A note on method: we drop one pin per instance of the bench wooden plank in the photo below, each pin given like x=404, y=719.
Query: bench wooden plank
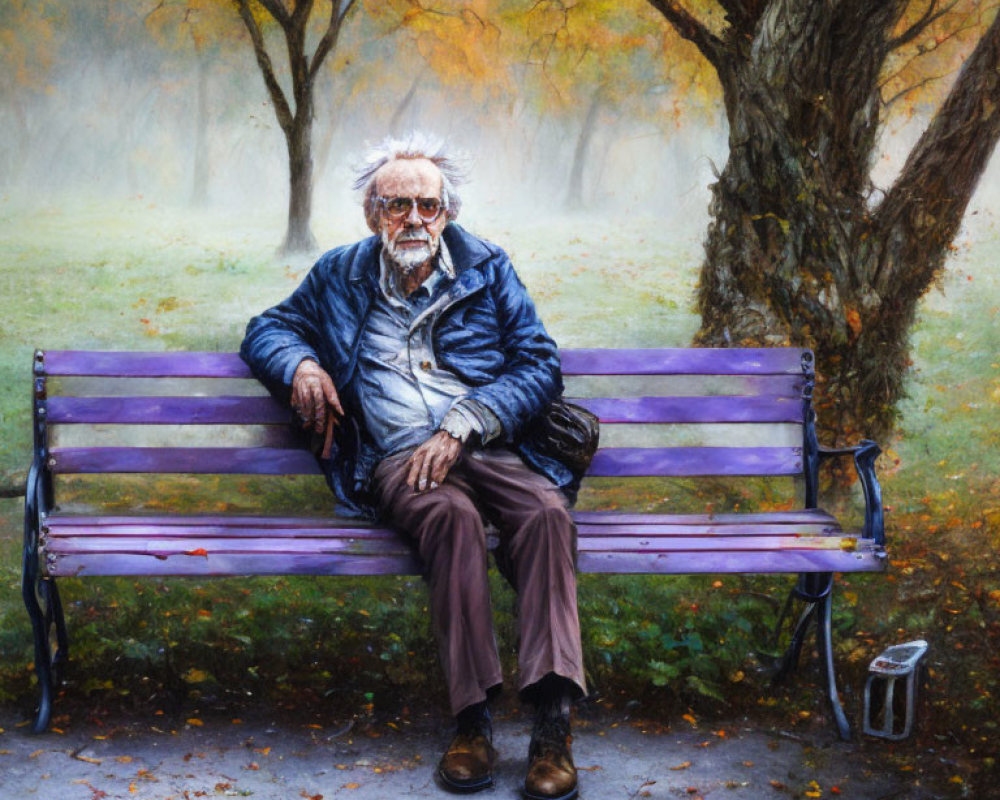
x=146, y=410
x=584, y=361
x=168, y=411
x=758, y=408
x=625, y=518
x=620, y=462
x=688, y=361
x=198, y=546
x=620, y=532
x=608, y=462
x=233, y=564
x=176, y=460
x=629, y=518
x=696, y=563
x=142, y=364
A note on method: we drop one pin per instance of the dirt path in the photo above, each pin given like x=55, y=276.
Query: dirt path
x=619, y=759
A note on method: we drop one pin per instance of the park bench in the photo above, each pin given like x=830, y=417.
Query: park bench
x=757, y=400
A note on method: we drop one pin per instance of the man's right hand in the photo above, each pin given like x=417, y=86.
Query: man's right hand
x=315, y=399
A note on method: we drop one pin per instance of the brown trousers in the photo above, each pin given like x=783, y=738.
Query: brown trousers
x=537, y=540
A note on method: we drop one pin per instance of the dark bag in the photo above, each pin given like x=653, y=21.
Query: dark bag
x=568, y=433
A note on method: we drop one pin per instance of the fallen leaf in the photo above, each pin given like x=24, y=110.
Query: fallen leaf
x=351, y=785
x=690, y=718
x=124, y=759
x=683, y=765
x=196, y=722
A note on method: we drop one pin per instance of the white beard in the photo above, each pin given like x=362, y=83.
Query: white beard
x=405, y=260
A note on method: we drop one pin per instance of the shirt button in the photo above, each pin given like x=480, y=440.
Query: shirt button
x=425, y=365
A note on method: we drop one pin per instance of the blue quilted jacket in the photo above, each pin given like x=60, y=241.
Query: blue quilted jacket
x=489, y=334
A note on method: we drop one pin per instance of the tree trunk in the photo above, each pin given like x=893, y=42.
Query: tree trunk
x=299, y=237
x=396, y=123
x=574, y=192
x=199, y=182
x=794, y=252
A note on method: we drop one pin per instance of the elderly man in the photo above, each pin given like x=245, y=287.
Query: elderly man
x=422, y=343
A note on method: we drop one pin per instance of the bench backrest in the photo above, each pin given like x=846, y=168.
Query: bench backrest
x=637, y=394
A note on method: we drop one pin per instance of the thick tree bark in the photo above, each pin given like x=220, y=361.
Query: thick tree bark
x=795, y=253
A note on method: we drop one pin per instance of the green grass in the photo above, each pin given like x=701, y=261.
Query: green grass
x=139, y=277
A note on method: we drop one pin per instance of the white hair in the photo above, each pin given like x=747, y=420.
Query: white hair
x=416, y=144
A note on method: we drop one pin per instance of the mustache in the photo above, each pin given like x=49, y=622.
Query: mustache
x=414, y=236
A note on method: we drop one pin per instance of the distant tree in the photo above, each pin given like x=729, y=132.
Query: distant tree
x=202, y=30
x=29, y=48
x=295, y=114
x=802, y=247
x=589, y=60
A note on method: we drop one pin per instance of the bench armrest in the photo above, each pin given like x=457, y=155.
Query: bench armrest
x=865, y=454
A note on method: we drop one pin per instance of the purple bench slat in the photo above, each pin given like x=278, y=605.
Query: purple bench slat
x=267, y=411
x=807, y=516
x=620, y=462
x=641, y=530
x=120, y=364
x=700, y=563
x=193, y=460
x=168, y=411
x=758, y=408
x=585, y=361
x=683, y=361
x=186, y=545
x=54, y=533
x=708, y=532
x=57, y=522
x=607, y=518
x=609, y=462
x=708, y=544
x=219, y=565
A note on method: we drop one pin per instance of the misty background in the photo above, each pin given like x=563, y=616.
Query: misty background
x=109, y=103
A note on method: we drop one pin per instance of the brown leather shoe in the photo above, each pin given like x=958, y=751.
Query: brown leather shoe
x=467, y=765
x=551, y=773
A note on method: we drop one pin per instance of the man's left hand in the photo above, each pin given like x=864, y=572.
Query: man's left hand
x=431, y=461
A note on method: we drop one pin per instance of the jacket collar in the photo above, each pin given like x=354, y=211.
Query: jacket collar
x=466, y=252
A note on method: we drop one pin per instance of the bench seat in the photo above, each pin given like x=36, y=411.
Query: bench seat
x=187, y=545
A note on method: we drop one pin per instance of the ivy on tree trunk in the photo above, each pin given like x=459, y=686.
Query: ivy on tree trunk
x=798, y=251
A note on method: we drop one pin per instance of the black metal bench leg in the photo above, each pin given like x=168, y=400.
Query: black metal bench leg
x=790, y=660
x=41, y=625
x=56, y=618
x=824, y=637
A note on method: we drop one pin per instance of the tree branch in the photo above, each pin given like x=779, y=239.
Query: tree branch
x=281, y=108
x=329, y=40
x=928, y=18
x=276, y=8
x=693, y=30
x=923, y=210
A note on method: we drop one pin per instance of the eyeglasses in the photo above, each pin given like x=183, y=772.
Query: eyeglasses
x=428, y=208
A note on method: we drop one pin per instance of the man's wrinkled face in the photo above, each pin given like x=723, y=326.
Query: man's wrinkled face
x=409, y=239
